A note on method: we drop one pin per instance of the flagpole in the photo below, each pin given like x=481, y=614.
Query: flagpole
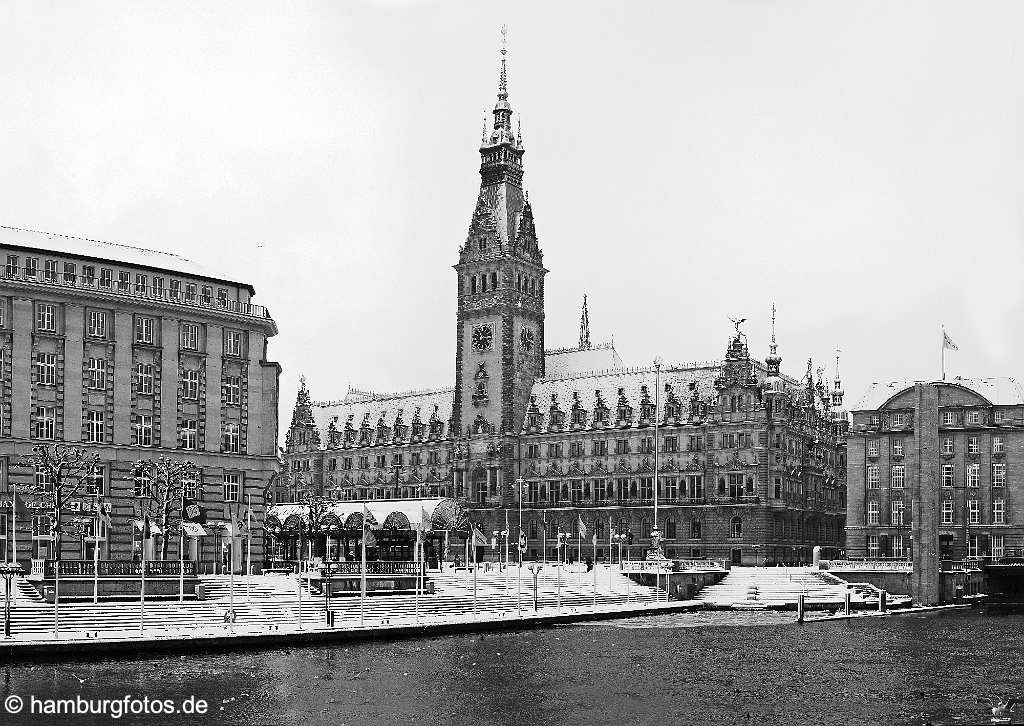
x=14, y=521
x=142, y=586
x=416, y=558
x=231, y=573
x=56, y=584
x=473, y=529
x=362, y=571
x=96, y=544
x=181, y=548
x=595, y=565
x=248, y=546
x=943, y=354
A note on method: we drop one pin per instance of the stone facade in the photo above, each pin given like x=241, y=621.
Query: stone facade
x=936, y=473
x=750, y=465
x=132, y=354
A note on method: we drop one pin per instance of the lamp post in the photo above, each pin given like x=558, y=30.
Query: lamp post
x=535, y=568
x=326, y=573
x=521, y=490
x=503, y=533
x=8, y=571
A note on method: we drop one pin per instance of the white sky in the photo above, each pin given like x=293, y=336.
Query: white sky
x=859, y=164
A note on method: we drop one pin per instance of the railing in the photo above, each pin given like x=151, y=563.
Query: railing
x=79, y=282
x=970, y=565
x=112, y=568
x=888, y=565
x=647, y=565
x=372, y=568
x=692, y=564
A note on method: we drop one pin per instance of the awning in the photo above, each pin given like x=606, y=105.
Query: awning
x=400, y=514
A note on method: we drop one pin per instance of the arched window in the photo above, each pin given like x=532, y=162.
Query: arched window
x=736, y=527
x=670, y=529
x=533, y=529
x=694, y=529
x=623, y=526
x=494, y=280
x=483, y=282
x=553, y=528
x=645, y=528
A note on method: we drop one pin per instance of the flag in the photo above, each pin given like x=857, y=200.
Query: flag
x=582, y=527
x=947, y=342
x=146, y=529
x=192, y=512
x=20, y=510
x=193, y=529
x=425, y=520
x=479, y=540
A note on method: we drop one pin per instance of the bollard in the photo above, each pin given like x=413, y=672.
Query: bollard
x=800, y=608
x=846, y=602
x=881, y=601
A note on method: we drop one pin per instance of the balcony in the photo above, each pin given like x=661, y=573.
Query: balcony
x=149, y=294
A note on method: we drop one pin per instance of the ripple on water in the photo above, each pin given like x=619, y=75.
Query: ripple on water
x=699, y=668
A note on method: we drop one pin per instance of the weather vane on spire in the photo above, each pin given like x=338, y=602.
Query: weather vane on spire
x=503, y=82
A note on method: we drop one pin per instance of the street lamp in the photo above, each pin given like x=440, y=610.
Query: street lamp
x=8, y=570
x=535, y=568
x=326, y=574
x=521, y=487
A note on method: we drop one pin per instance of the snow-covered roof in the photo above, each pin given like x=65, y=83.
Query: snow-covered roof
x=113, y=252
x=371, y=406
x=567, y=361
x=1000, y=391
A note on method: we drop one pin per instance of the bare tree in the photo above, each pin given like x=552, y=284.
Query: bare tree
x=61, y=472
x=160, y=485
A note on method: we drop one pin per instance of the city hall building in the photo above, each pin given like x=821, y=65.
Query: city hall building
x=132, y=354
x=750, y=463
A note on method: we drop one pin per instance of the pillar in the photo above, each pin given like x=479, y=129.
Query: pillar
x=21, y=368
x=74, y=352
x=923, y=466
x=122, y=377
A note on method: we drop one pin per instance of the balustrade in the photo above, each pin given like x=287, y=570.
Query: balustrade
x=112, y=568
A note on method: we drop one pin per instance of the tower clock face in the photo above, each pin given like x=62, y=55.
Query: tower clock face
x=526, y=339
x=483, y=337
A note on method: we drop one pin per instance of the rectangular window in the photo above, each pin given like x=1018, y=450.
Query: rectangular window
x=575, y=449
x=229, y=438
x=190, y=487
x=46, y=369
x=207, y=296
x=142, y=431
x=972, y=445
x=998, y=546
x=232, y=485
x=898, y=475
x=97, y=327
x=89, y=275
x=872, y=545
x=98, y=373
x=897, y=546
x=46, y=318
x=973, y=511
x=46, y=422
x=123, y=282
x=872, y=512
x=50, y=270
x=190, y=292
x=190, y=434
x=346, y=463
x=671, y=444
x=974, y=417
x=897, y=447
x=144, y=378
x=381, y=461
x=873, y=447
x=998, y=511
x=96, y=480
x=142, y=484
x=222, y=297
x=95, y=430
x=999, y=475
x=189, y=336
x=947, y=475
x=998, y=445
x=874, y=482
x=898, y=419
x=175, y=289
x=947, y=445
x=12, y=266
x=533, y=451
x=143, y=329
x=232, y=390
x=972, y=474
x=948, y=418
x=947, y=511
x=232, y=342
x=70, y=273
x=141, y=284
x=31, y=267
x=105, y=278
x=896, y=512
x=190, y=384
x=158, y=286
x=622, y=446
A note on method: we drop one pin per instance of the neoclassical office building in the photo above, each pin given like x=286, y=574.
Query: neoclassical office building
x=750, y=466
x=132, y=354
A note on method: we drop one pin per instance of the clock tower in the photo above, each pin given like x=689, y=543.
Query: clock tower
x=500, y=320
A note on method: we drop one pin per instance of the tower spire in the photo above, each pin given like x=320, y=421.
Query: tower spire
x=837, y=392
x=584, y=326
x=774, y=359
x=503, y=79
